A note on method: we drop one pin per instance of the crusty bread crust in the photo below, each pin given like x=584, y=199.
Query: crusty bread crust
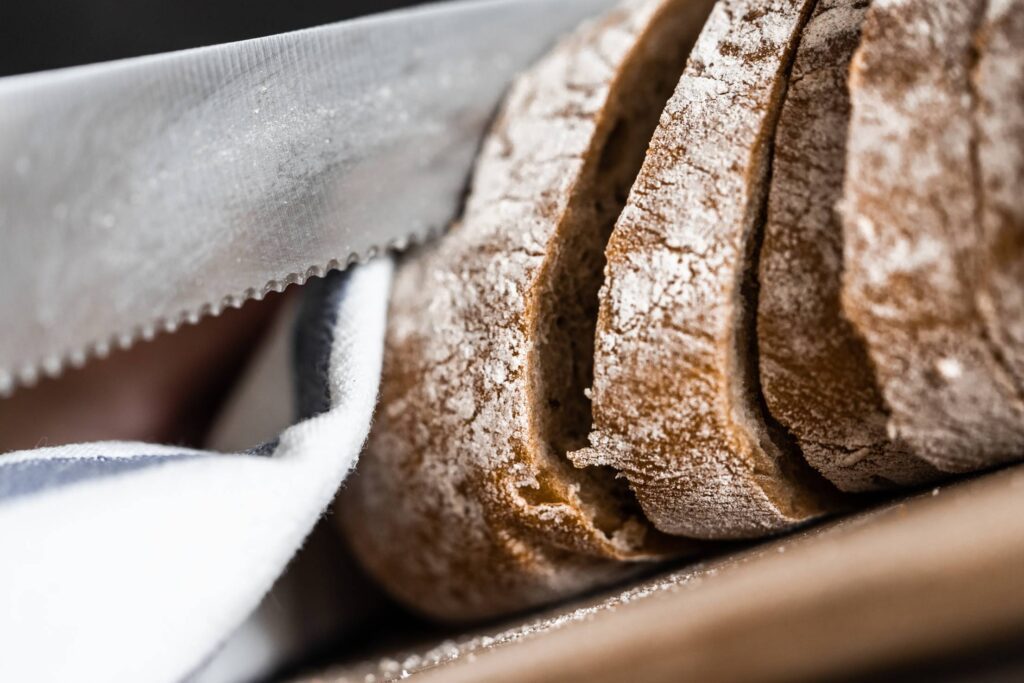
x=912, y=232
x=462, y=505
x=815, y=373
x=676, y=397
x=998, y=88
x=465, y=504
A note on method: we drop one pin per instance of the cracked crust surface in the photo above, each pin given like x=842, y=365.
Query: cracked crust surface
x=815, y=373
x=911, y=228
x=463, y=505
x=998, y=84
x=676, y=401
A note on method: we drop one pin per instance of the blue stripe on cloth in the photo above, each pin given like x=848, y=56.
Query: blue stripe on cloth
x=26, y=477
x=265, y=448
x=313, y=340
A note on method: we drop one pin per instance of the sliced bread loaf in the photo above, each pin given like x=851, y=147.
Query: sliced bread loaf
x=815, y=372
x=913, y=237
x=677, y=405
x=464, y=505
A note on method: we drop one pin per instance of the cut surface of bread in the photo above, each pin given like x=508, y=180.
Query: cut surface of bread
x=913, y=237
x=998, y=88
x=676, y=396
x=816, y=376
x=464, y=505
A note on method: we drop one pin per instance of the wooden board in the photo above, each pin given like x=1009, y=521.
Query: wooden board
x=940, y=571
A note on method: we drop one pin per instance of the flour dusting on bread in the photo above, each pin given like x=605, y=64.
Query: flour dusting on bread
x=912, y=234
x=475, y=509
x=676, y=396
x=815, y=371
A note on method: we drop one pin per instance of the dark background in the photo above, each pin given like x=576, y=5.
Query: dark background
x=47, y=34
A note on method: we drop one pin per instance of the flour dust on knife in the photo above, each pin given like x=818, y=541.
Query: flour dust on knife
x=144, y=193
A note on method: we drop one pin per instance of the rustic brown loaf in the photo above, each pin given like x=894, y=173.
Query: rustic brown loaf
x=815, y=373
x=912, y=237
x=677, y=405
x=998, y=85
x=464, y=504
x=888, y=342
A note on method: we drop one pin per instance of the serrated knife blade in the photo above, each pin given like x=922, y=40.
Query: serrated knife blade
x=140, y=194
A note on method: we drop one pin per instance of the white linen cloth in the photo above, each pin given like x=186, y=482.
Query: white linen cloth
x=136, y=562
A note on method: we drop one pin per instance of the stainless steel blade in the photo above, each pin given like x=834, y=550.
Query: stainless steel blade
x=140, y=194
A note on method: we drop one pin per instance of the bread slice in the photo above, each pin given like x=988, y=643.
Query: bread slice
x=815, y=372
x=464, y=505
x=677, y=405
x=912, y=232
x=998, y=88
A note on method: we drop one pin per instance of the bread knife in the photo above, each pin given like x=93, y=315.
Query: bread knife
x=141, y=194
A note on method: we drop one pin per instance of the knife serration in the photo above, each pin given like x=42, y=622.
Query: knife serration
x=142, y=194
